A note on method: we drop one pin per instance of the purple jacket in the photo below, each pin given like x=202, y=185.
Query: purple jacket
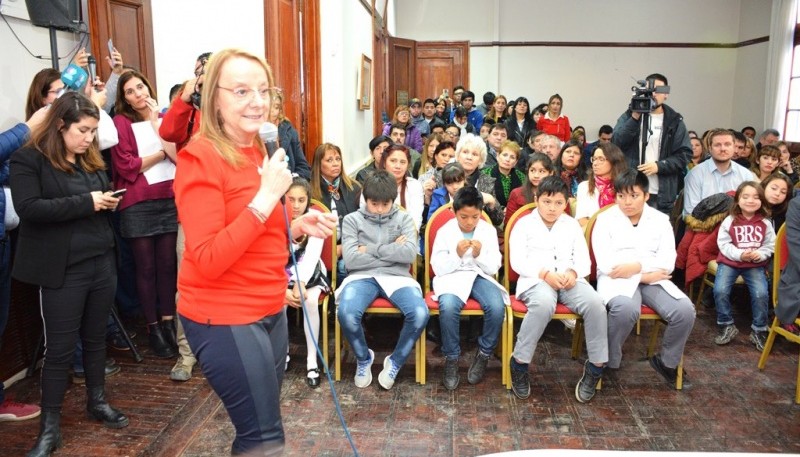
x=413, y=136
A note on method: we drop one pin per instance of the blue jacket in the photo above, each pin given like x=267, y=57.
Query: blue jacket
x=474, y=117
x=290, y=142
x=10, y=140
x=439, y=198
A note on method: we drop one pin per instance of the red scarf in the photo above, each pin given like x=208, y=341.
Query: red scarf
x=605, y=191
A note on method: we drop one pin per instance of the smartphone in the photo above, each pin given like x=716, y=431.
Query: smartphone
x=111, y=52
x=446, y=93
x=119, y=193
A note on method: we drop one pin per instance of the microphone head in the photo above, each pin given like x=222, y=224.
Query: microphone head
x=74, y=77
x=91, y=60
x=268, y=132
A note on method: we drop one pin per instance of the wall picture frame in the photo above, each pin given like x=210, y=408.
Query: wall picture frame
x=365, y=83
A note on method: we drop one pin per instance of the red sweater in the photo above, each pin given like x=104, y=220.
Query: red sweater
x=559, y=127
x=127, y=163
x=233, y=266
x=175, y=123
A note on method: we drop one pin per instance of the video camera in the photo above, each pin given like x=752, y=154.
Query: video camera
x=643, y=100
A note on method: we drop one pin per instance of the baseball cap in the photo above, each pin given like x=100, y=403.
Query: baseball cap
x=415, y=101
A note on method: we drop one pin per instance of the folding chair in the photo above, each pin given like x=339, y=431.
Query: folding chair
x=646, y=312
x=472, y=307
x=518, y=308
x=779, y=261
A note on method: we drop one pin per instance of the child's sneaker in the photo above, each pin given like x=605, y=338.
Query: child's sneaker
x=726, y=334
x=759, y=339
x=364, y=371
x=389, y=372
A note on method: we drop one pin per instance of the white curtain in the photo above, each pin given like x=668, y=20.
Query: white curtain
x=779, y=62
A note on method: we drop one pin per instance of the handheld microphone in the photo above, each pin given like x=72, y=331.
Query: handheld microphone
x=92, y=69
x=74, y=77
x=269, y=135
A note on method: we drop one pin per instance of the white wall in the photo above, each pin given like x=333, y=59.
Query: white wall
x=595, y=82
x=18, y=67
x=346, y=31
x=184, y=29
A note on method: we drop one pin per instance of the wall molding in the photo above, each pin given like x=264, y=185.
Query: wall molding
x=615, y=44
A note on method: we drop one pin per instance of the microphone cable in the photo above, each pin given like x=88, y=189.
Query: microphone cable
x=316, y=344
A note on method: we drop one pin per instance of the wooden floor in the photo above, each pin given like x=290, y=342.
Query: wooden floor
x=731, y=407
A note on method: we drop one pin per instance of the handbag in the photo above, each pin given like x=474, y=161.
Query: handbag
x=10, y=218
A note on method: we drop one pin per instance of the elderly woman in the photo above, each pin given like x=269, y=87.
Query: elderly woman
x=471, y=154
x=233, y=279
x=66, y=247
x=402, y=117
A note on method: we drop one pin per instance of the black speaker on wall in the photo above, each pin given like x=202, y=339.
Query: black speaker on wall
x=57, y=14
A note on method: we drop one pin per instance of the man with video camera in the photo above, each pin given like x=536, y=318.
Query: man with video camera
x=666, y=149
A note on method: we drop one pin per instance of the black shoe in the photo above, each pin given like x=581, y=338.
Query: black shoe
x=117, y=342
x=451, y=377
x=478, y=367
x=434, y=332
x=168, y=327
x=158, y=343
x=49, y=435
x=587, y=386
x=669, y=374
x=98, y=408
x=313, y=382
x=79, y=377
x=520, y=383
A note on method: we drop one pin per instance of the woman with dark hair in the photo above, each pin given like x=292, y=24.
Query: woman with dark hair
x=520, y=123
x=148, y=216
x=442, y=111
x=396, y=159
x=778, y=192
x=538, y=112
x=66, y=247
x=553, y=122
x=376, y=147
x=44, y=89
x=571, y=167
x=289, y=139
x=331, y=185
x=233, y=275
x=597, y=191
x=402, y=117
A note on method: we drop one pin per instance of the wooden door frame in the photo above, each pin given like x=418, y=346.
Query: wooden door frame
x=309, y=127
x=100, y=26
x=380, y=64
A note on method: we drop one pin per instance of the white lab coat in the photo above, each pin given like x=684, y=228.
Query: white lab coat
x=616, y=241
x=456, y=275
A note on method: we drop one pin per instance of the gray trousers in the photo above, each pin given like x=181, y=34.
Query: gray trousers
x=541, y=302
x=623, y=312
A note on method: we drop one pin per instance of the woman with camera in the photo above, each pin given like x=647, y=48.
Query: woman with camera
x=66, y=247
x=233, y=279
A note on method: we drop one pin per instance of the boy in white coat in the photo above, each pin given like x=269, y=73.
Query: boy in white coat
x=548, y=250
x=634, y=247
x=464, y=258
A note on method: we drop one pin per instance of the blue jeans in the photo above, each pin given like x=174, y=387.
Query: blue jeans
x=756, y=281
x=450, y=306
x=359, y=294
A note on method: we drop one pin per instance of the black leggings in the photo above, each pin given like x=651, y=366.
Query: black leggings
x=79, y=308
x=156, y=273
x=244, y=365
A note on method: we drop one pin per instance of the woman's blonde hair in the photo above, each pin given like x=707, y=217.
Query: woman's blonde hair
x=212, y=126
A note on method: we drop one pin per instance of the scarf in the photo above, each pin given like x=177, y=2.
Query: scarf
x=463, y=126
x=570, y=178
x=605, y=191
x=333, y=188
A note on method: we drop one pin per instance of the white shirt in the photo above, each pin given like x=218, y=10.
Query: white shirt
x=653, y=148
x=536, y=248
x=616, y=241
x=307, y=264
x=586, y=204
x=456, y=275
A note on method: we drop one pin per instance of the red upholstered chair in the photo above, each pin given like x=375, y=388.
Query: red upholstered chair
x=779, y=261
x=472, y=307
x=518, y=308
x=646, y=312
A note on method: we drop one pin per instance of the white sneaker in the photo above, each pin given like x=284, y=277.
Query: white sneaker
x=363, y=376
x=569, y=324
x=389, y=372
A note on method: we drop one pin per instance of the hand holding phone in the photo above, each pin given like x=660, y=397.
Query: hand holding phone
x=111, y=52
x=118, y=193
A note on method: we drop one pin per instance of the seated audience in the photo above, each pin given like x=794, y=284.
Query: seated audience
x=464, y=258
x=634, y=247
x=597, y=191
x=539, y=167
x=550, y=254
x=380, y=269
x=746, y=242
x=506, y=176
